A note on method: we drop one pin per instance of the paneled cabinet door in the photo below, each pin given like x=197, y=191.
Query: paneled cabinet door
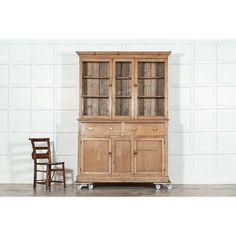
x=149, y=156
x=122, y=156
x=96, y=156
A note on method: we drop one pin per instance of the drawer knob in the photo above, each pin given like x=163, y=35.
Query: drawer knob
x=91, y=128
x=111, y=129
x=154, y=129
x=134, y=129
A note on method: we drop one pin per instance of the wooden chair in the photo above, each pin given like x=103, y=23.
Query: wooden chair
x=42, y=157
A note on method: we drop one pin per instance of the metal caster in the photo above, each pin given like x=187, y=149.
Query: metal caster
x=79, y=186
x=90, y=186
x=158, y=186
x=169, y=186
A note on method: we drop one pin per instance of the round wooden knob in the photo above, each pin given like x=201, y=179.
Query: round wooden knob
x=111, y=129
x=134, y=129
x=154, y=129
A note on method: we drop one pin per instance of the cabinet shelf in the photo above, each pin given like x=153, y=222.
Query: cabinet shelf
x=123, y=77
x=150, y=97
x=90, y=77
x=86, y=96
x=160, y=77
x=123, y=96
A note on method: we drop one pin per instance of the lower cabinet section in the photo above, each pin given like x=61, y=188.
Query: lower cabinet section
x=122, y=160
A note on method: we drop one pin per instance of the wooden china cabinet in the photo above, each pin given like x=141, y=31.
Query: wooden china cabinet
x=123, y=120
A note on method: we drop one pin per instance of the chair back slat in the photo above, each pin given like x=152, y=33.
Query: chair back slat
x=41, y=148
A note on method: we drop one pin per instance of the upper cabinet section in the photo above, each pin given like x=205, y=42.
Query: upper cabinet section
x=123, y=85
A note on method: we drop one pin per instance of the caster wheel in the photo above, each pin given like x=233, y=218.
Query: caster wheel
x=90, y=186
x=158, y=186
x=169, y=186
x=79, y=186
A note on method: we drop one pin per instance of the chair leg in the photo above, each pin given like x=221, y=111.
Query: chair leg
x=50, y=177
x=47, y=177
x=64, y=175
x=35, y=176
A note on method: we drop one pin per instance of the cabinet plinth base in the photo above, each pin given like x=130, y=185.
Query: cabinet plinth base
x=122, y=179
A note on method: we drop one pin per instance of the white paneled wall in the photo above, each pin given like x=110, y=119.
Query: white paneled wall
x=39, y=98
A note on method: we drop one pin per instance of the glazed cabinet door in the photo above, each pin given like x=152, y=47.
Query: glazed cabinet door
x=95, y=89
x=95, y=156
x=122, y=156
x=149, y=156
x=123, y=92
x=151, y=88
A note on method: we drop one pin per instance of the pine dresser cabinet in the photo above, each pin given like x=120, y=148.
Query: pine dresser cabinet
x=123, y=118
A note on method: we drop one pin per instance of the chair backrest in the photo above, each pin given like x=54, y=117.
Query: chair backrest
x=41, y=148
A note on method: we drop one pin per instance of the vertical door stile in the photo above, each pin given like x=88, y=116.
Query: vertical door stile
x=166, y=89
x=110, y=88
x=81, y=157
x=81, y=108
x=135, y=88
x=113, y=156
x=134, y=155
x=163, y=157
x=110, y=156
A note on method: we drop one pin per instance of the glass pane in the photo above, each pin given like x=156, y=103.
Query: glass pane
x=123, y=88
x=95, y=107
x=151, y=69
x=150, y=107
x=123, y=106
x=95, y=79
x=151, y=88
x=95, y=70
x=95, y=88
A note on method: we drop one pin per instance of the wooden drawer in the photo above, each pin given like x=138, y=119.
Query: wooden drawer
x=100, y=129
x=146, y=129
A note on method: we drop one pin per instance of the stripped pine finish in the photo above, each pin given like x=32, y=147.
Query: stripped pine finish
x=123, y=117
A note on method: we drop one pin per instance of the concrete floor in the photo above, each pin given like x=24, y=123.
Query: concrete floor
x=26, y=190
